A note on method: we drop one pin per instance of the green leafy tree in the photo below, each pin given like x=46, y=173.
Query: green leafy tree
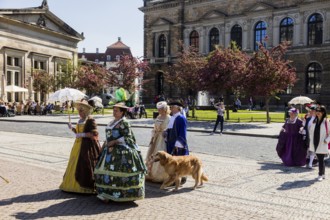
x=66, y=75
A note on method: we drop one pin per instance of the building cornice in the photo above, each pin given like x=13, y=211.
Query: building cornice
x=160, y=6
x=38, y=28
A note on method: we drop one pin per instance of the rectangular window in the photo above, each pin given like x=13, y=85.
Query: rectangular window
x=16, y=60
x=42, y=65
x=9, y=96
x=9, y=61
x=16, y=96
x=8, y=78
x=35, y=65
x=16, y=78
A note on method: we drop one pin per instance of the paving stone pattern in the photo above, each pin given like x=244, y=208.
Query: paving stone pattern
x=238, y=188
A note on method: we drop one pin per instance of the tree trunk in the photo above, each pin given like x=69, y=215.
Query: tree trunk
x=267, y=109
x=193, y=108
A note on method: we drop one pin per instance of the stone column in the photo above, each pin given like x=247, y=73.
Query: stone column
x=227, y=35
x=276, y=31
x=327, y=29
x=245, y=36
x=298, y=31
x=201, y=42
x=3, y=84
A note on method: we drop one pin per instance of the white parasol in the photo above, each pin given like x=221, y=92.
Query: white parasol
x=97, y=101
x=300, y=100
x=66, y=94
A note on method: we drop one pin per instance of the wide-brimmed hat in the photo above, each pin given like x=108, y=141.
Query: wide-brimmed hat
x=310, y=107
x=83, y=104
x=120, y=105
x=294, y=110
x=176, y=102
x=161, y=105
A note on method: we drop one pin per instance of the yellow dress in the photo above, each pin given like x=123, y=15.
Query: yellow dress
x=69, y=183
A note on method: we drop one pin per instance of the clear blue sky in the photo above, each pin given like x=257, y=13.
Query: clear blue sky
x=102, y=21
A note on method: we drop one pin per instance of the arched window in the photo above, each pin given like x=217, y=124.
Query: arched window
x=194, y=40
x=214, y=38
x=286, y=30
x=162, y=46
x=313, y=78
x=236, y=35
x=315, y=29
x=260, y=32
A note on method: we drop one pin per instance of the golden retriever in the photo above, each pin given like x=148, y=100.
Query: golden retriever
x=179, y=166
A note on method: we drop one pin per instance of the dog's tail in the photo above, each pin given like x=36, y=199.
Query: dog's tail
x=204, y=177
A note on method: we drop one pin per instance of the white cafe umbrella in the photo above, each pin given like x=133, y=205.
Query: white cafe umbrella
x=13, y=88
x=66, y=94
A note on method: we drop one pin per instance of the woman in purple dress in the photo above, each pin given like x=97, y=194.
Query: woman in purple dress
x=291, y=147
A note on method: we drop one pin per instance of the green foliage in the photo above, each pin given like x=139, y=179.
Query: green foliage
x=66, y=76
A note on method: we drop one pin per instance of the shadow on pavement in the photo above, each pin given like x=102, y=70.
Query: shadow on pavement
x=73, y=205
x=39, y=197
x=153, y=191
x=282, y=169
x=77, y=207
x=296, y=184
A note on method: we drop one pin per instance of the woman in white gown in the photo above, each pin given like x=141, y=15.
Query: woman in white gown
x=156, y=172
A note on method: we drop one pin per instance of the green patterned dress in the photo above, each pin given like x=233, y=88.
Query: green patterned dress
x=120, y=171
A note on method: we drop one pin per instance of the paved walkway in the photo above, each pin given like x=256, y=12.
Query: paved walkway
x=238, y=188
x=250, y=129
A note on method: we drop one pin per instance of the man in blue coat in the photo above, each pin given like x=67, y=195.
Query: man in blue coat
x=176, y=141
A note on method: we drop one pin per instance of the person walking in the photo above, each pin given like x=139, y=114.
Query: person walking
x=79, y=174
x=291, y=147
x=308, y=120
x=120, y=171
x=156, y=172
x=220, y=117
x=319, y=138
x=176, y=133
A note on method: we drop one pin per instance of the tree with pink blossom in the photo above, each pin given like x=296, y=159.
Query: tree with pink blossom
x=269, y=73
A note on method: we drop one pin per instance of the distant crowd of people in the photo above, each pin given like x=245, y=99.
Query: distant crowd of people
x=31, y=108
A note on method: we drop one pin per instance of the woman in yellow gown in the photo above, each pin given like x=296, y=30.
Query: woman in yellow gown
x=156, y=172
x=79, y=174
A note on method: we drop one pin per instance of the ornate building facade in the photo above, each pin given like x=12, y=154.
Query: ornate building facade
x=33, y=39
x=206, y=23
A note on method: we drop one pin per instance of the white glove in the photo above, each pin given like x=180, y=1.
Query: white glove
x=80, y=135
x=70, y=126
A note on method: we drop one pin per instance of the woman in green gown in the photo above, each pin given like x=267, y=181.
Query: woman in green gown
x=120, y=171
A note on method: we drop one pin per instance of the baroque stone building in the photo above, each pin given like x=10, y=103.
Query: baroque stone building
x=33, y=39
x=205, y=23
